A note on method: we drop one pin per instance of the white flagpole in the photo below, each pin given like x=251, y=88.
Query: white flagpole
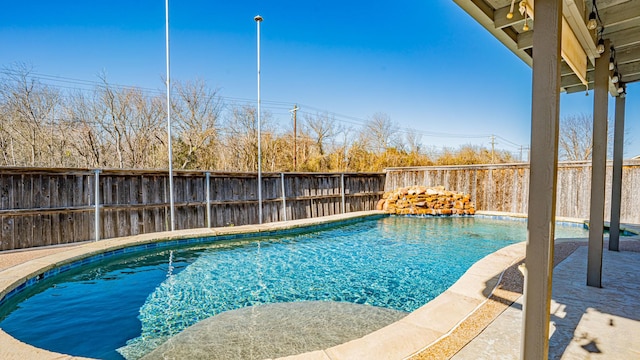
x=168, y=84
x=258, y=20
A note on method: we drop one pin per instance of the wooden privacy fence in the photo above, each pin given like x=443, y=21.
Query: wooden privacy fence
x=56, y=206
x=506, y=187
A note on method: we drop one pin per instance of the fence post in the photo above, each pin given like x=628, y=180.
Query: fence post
x=344, y=208
x=284, y=198
x=207, y=182
x=96, y=180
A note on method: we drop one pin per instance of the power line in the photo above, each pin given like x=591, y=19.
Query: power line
x=278, y=107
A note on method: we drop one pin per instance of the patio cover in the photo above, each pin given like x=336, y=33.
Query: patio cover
x=556, y=38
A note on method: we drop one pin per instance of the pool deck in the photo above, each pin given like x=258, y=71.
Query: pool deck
x=585, y=319
x=586, y=322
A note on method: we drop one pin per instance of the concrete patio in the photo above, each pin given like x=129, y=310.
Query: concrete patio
x=586, y=322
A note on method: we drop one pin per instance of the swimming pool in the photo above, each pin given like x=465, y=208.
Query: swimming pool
x=143, y=298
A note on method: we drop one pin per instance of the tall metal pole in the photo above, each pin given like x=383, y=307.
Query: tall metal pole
x=171, y=206
x=258, y=20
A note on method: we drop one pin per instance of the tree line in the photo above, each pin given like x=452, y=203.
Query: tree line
x=123, y=127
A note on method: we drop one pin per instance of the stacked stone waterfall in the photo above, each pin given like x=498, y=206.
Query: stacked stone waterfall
x=422, y=200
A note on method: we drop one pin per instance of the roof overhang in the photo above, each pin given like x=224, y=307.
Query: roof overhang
x=620, y=23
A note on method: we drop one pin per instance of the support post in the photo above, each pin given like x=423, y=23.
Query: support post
x=344, y=205
x=207, y=184
x=598, y=168
x=284, y=198
x=96, y=222
x=616, y=182
x=545, y=114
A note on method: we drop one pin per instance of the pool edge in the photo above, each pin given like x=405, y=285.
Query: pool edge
x=15, y=278
x=399, y=340
x=433, y=321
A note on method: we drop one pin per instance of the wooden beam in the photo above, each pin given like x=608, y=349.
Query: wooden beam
x=572, y=84
x=510, y=32
x=484, y=15
x=573, y=53
x=628, y=54
x=566, y=70
x=574, y=14
x=525, y=40
x=629, y=69
x=624, y=38
x=545, y=112
x=484, y=7
x=616, y=181
x=631, y=78
x=620, y=14
x=572, y=80
x=577, y=88
x=598, y=169
x=500, y=17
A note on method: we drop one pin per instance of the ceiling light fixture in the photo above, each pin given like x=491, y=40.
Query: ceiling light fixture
x=615, y=78
x=612, y=59
x=600, y=47
x=592, y=24
x=523, y=10
x=594, y=17
x=510, y=14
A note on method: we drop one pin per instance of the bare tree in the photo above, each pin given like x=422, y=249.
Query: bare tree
x=321, y=128
x=197, y=110
x=87, y=140
x=575, y=142
x=6, y=139
x=380, y=132
x=131, y=122
x=241, y=142
x=31, y=109
x=147, y=135
x=413, y=142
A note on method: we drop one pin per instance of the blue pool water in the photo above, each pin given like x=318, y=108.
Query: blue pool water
x=130, y=304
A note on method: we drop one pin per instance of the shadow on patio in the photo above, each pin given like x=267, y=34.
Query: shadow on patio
x=586, y=322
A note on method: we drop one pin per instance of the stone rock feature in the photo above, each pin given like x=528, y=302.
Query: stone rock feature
x=422, y=200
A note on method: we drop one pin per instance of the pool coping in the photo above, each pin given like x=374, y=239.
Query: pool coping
x=400, y=340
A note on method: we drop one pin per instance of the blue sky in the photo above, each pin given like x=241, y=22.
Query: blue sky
x=426, y=64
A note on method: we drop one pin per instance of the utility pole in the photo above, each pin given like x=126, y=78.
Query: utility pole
x=295, y=137
x=520, y=153
x=493, y=143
